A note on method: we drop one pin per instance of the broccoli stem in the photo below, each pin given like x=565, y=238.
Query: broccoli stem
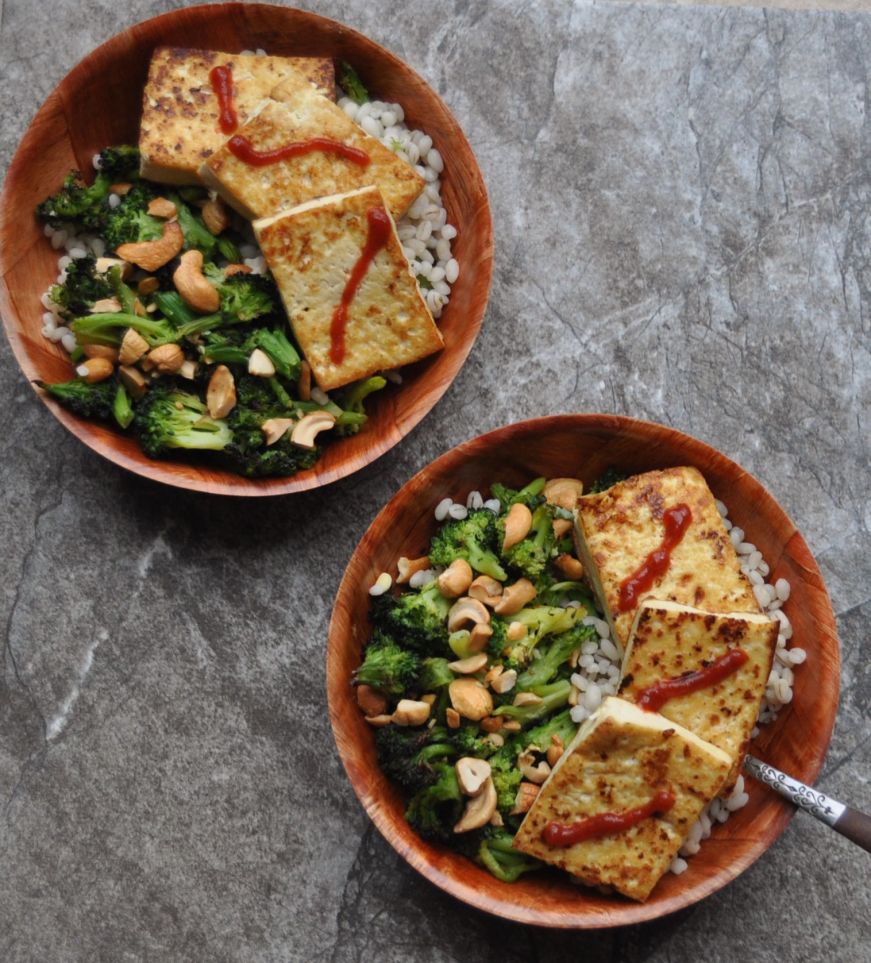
x=349, y=81
x=121, y=407
x=552, y=697
x=105, y=328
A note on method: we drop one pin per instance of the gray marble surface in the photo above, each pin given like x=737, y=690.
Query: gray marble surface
x=681, y=206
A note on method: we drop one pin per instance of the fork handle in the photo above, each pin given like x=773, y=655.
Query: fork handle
x=855, y=825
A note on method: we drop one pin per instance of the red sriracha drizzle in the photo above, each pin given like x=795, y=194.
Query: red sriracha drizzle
x=221, y=79
x=239, y=146
x=676, y=521
x=379, y=234
x=605, y=824
x=654, y=696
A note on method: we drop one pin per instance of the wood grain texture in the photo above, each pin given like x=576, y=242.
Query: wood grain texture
x=583, y=446
x=67, y=131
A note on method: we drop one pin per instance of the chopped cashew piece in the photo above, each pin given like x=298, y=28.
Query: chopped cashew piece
x=493, y=673
x=472, y=775
x=147, y=286
x=536, y=774
x=452, y=717
x=491, y=724
x=504, y=682
x=100, y=351
x=561, y=527
x=104, y=264
x=215, y=215
x=105, y=306
x=379, y=721
x=162, y=207
x=515, y=631
x=479, y=809
x=194, y=287
x=470, y=698
x=260, y=364
x=479, y=637
x=133, y=346
x=381, y=584
x=512, y=726
x=469, y=666
x=371, y=701
x=554, y=750
x=274, y=429
x=121, y=188
x=486, y=589
x=515, y=597
x=466, y=611
x=524, y=799
x=564, y=492
x=406, y=567
x=569, y=566
x=133, y=380
x=95, y=369
x=232, y=269
x=409, y=712
x=518, y=522
x=527, y=699
x=221, y=392
x=188, y=370
x=496, y=740
x=455, y=579
x=166, y=359
x=310, y=426
x=151, y=255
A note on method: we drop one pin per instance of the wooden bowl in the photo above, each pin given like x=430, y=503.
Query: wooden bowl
x=583, y=446
x=68, y=130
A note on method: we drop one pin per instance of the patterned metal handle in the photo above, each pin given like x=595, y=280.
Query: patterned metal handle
x=810, y=800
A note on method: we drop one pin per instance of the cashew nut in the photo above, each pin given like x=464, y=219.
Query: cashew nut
x=465, y=611
x=193, y=286
x=569, y=566
x=406, y=567
x=469, y=666
x=371, y=701
x=95, y=369
x=260, y=364
x=304, y=384
x=515, y=597
x=515, y=631
x=470, y=698
x=151, y=255
x=524, y=799
x=486, y=589
x=452, y=717
x=504, y=682
x=455, y=579
x=409, y=712
x=274, y=429
x=492, y=724
x=527, y=699
x=162, y=207
x=479, y=809
x=518, y=522
x=561, y=527
x=104, y=264
x=133, y=380
x=232, y=269
x=309, y=426
x=100, y=351
x=563, y=492
x=166, y=359
x=555, y=750
x=121, y=188
x=472, y=775
x=379, y=721
x=147, y=286
x=221, y=392
x=512, y=726
x=133, y=346
x=105, y=306
x=536, y=774
x=188, y=370
x=215, y=215
x=479, y=636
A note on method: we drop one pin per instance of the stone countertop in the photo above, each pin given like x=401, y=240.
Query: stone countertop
x=680, y=198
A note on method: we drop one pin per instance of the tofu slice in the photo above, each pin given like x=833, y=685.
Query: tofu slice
x=668, y=640
x=306, y=114
x=617, y=529
x=619, y=759
x=179, y=126
x=311, y=251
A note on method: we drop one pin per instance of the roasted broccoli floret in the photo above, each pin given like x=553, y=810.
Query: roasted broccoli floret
x=119, y=163
x=555, y=657
x=349, y=81
x=472, y=741
x=226, y=347
x=408, y=754
x=83, y=399
x=608, y=478
x=497, y=855
x=77, y=202
x=130, y=221
x=352, y=401
x=81, y=289
x=552, y=696
x=417, y=618
x=387, y=667
x=475, y=538
x=530, y=495
x=167, y=419
x=434, y=674
x=506, y=777
x=435, y=809
x=530, y=555
x=244, y=297
x=559, y=725
x=539, y=621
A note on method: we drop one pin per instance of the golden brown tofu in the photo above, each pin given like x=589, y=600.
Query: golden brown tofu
x=669, y=640
x=257, y=191
x=618, y=529
x=180, y=128
x=620, y=759
x=312, y=251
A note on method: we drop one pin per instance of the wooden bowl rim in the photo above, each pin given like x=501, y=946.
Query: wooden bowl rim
x=624, y=912
x=168, y=472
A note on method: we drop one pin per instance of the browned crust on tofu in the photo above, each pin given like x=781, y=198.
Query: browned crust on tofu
x=179, y=127
x=620, y=758
x=668, y=641
x=301, y=116
x=617, y=529
x=311, y=251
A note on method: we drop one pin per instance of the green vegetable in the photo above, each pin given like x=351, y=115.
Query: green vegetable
x=417, y=618
x=109, y=328
x=130, y=222
x=553, y=696
x=475, y=538
x=530, y=495
x=349, y=81
x=539, y=621
x=499, y=857
x=387, y=667
x=122, y=410
x=82, y=288
x=167, y=420
x=529, y=556
x=607, y=479
x=435, y=809
x=83, y=399
x=554, y=657
x=434, y=674
x=407, y=754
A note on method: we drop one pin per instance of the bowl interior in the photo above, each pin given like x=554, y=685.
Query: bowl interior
x=583, y=446
x=66, y=133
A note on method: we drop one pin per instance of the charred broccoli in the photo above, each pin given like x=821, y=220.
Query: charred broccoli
x=407, y=754
x=83, y=399
x=387, y=667
x=418, y=618
x=435, y=809
x=476, y=538
x=168, y=419
x=81, y=289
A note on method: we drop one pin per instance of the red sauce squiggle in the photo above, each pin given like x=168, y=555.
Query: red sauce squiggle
x=241, y=147
x=676, y=521
x=379, y=233
x=563, y=835
x=221, y=79
x=653, y=697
